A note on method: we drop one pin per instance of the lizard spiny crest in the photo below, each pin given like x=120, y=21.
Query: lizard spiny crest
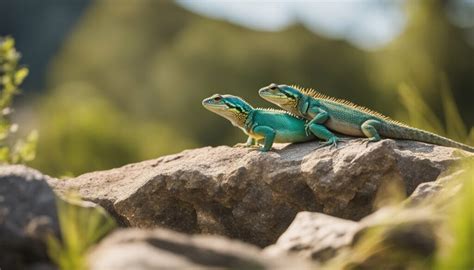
x=315, y=94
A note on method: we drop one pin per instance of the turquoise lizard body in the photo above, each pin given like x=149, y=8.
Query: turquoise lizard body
x=346, y=118
x=268, y=125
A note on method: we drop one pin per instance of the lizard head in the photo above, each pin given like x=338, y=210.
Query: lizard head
x=284, y=96
x=233, y=108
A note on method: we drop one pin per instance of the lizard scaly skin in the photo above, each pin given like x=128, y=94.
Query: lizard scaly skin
x=346, y=118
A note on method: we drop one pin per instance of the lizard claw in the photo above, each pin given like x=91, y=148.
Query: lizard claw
x=368, y=140
x=307, y=130
x=244, y=145
x=240, y=145
x=332, y=142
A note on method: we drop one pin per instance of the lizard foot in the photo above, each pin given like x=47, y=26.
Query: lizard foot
x=331, y=143
x=244, y=145
x=368, y=140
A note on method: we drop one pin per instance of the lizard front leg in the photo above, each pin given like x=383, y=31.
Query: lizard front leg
x=316, y=127
x=268, y=134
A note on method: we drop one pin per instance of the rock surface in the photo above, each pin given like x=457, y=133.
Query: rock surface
x=429, y=190
x=321, y=237
x=315, y=236
x=254, y=196
x=27, y=215
x=164, y=249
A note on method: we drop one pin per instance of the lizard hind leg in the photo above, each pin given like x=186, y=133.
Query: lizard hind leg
x=369, y=128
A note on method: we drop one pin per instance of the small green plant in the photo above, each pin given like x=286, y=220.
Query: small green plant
x=81, y=227
x=11, y=77
x=456, y=251
x=420, y=115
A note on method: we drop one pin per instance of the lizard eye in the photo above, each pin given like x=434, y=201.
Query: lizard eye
x=273, y=86
x=217, y=98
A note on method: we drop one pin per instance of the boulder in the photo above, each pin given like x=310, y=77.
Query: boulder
x=397, y=237
x=430, y=190
x=142, y=249
x=315, y=236
x=253, y=196
x=399, y=230
x=27, y=216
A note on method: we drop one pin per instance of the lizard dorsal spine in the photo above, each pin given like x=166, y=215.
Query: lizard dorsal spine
x=315, y=94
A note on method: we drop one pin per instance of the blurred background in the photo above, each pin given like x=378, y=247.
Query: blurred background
x=114, y=82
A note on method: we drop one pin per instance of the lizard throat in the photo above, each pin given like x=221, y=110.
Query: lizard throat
x=238, y=119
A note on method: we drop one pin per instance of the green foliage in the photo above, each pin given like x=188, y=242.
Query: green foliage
x=456, y=251
x=83, y=131
x=81, y=227
x=11, y=77
x=455, y=127
x=420, y=115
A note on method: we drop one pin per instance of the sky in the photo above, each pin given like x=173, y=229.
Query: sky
x=368, y=24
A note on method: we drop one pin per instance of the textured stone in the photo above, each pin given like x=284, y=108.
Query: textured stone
x=254, y=196
x=315, y=236
x=430, y=190
x=27, y=216
x=321, y=237
x=164, y=249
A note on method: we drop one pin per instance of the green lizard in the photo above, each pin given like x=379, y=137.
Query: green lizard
x=345, y=117
x=268, y=124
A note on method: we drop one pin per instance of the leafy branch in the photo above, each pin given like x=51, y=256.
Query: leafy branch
x=12, y=76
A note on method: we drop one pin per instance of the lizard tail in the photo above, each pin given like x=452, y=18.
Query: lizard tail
x=392, y=130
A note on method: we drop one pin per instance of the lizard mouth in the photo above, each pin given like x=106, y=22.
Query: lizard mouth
x=270, y=94
x=209, y=104
x=214, y=106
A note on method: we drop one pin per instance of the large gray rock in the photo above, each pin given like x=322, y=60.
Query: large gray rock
x=315, y=236
x=398, y=230
x=164, y=249
x=254, y=196
x=430, y=190
x=27, y=216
